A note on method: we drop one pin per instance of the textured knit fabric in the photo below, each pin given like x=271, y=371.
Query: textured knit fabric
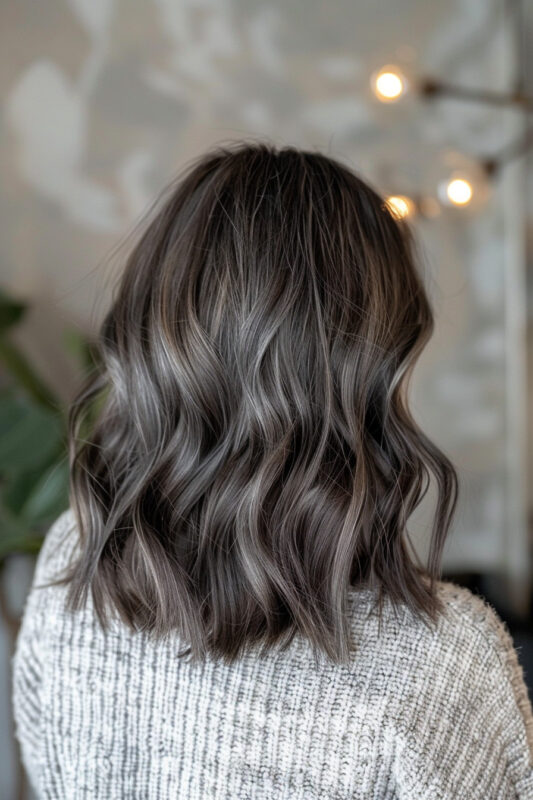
x=420, y=713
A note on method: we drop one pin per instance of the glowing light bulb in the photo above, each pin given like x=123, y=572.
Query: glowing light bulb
x=459, y=191
x=400, y=205
x=389, y=84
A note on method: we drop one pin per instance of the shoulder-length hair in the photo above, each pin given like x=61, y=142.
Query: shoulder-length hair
x=253, y=456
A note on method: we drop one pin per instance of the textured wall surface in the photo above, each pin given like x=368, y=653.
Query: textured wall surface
x=104, y=100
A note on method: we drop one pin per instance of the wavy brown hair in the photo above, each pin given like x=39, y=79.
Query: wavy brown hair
x=253, y=455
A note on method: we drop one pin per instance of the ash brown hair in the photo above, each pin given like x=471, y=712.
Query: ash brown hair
x=253, y=455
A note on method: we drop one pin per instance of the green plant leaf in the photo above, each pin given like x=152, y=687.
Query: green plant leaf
x=18, y=486
x=16, y=536
x=81, y=348
x=34, y=473
x=11, y=311
x=49, y=496
x=25, y=376
x=29, y=435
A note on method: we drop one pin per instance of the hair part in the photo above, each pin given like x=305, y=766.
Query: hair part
x=253, y=455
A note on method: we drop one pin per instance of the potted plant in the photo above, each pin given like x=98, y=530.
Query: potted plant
x=34, y=475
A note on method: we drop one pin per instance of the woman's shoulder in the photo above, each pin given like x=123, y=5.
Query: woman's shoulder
x=457, y=682
x=471, y=622
x=476, y=624
x=466, y=620
x=470, y=614
x=470, y=656
x=469, y=627
x=468, y=651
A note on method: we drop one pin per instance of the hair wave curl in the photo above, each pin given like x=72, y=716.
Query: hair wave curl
x=253, y=456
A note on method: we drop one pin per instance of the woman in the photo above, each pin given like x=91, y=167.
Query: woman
x=231, y=608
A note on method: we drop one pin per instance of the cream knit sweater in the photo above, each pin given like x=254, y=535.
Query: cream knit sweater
x=420, y=714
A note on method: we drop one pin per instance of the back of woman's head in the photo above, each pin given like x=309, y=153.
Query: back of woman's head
x=252, y=455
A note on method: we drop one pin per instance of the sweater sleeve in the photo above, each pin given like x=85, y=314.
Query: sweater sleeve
x=29, y=658
x=497, y=729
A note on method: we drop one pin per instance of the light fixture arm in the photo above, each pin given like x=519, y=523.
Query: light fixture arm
x=513, y=150
x=431, y=88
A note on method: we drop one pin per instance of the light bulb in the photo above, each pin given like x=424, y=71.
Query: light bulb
x=400, y=205
x=388, y=84
x=460, y=181
x=459, y=191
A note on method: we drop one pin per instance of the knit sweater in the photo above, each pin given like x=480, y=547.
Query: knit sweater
x=419, y=713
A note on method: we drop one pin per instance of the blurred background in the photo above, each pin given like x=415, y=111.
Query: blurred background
x=105, y=100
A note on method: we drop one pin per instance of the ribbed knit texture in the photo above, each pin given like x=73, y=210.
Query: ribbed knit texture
x=419, y=713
